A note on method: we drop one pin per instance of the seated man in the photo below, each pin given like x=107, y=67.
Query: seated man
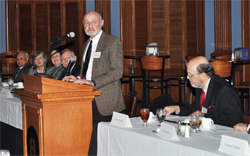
x=23, y=66
x=242, y=127
x=74, y=69
x=215, y=97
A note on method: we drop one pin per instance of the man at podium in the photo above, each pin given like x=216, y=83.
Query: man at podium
x=102, y=67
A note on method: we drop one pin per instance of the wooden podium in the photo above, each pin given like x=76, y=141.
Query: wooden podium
x=57, y=116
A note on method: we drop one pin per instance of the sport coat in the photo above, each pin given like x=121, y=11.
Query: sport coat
x=222, y=103
x=75, y=71
x=17, y=76
x=107, y=72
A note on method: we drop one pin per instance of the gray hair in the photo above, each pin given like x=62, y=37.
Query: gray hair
x=206, y=68
x=26, y=54
x=73, y=54
x=100, y=16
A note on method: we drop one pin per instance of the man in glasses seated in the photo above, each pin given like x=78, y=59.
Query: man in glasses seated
x=23, y=66
x=215, y=97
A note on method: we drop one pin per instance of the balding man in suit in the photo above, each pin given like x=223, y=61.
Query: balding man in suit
x=102, y=67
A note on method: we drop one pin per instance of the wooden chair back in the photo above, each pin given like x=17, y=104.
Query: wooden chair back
x=152, y=62
x=8, y=64
x=246, y=119
x=130, y=104
x=227, y=57
x=224, y=69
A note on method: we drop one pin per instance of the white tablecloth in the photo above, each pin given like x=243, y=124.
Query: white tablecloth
x=11, y=111
x=140, y=140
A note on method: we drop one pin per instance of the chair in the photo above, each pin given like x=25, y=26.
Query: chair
x=130, y=75
x=182, y=82
x=246, y=119
x=130, y=102
x=224, y=69
x=8, y=64
x=244, y=93
x=150, y=65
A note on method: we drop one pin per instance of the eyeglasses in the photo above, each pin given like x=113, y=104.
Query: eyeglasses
x=86, y=23
x=65, y=58
x=190, y=75
x=40, y=58
x=54, y=56
x=21, y=59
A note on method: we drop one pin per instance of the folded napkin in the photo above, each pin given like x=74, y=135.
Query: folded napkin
x=5, y=84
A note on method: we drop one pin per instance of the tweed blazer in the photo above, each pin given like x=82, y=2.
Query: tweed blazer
x=107, y=72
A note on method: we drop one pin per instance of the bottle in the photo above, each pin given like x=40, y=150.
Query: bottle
x=179, y=128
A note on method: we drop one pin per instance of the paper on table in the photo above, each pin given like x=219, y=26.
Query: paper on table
x=5, y=84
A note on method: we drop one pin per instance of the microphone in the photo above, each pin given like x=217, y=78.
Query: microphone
x=62, y=38
x=71, y=62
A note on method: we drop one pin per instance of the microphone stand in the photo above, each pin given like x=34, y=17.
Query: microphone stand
x=45, y=63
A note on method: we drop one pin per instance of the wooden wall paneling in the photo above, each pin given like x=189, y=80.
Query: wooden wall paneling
x=55, y=22
x=245, y=28
x=41, y=27
x=12, y=24
x=127, y=24
x=25, y=35
x=141, y=29
x=177, y=34
x=81, y=12
x=200, y=26
x=103, y=7
x=72, y=23
x=222, y=28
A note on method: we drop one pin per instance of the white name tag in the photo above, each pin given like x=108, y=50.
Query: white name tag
x=234, y=146
x=97, y=54
x=168, y=132
x=120, y=120
x=5, y=93
x=204, y=110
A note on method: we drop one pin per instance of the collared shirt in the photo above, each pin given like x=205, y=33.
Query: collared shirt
x=206, y=87
x=95, y=41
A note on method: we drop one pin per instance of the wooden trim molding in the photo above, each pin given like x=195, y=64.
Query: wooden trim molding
x=222, y=28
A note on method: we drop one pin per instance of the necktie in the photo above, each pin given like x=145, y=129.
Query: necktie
x=17, y=72
x=202, y=100
x=86, y=62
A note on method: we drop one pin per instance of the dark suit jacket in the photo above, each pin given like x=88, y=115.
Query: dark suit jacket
x=107, y=72
x=75, y=71
x=222, y=103
x=17, y=76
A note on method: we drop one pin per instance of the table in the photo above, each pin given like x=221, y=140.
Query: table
x=142, y=141
x=11, y=123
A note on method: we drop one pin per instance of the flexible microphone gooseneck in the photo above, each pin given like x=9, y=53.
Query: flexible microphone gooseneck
x=71, y=63
x=62, y=38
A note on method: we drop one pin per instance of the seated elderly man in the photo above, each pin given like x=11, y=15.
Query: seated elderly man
x=74, y=69
x=23, y=66
x=215, y=97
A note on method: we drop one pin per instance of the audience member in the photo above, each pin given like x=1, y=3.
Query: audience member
x=74, y=69
x=57, y=69
x=39, y=60
x=23, y=66
x=102, y=67
x=215, y=97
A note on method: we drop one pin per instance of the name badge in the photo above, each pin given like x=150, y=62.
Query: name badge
x=5, y=93
x=234, y=146
x=97, y=54
x=168, y=132
x=204, y=110
x=120, y=120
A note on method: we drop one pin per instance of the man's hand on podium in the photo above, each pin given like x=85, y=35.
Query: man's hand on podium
x=74, y=79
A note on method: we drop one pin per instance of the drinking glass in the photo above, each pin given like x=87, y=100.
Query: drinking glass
x=144, y=115
x=10, y=82
x=160, y=115
x=4, y=153
x=194, y=122
x=200, y=121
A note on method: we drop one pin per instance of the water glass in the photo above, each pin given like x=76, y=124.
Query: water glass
x=160, y=115
x=194, y=122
